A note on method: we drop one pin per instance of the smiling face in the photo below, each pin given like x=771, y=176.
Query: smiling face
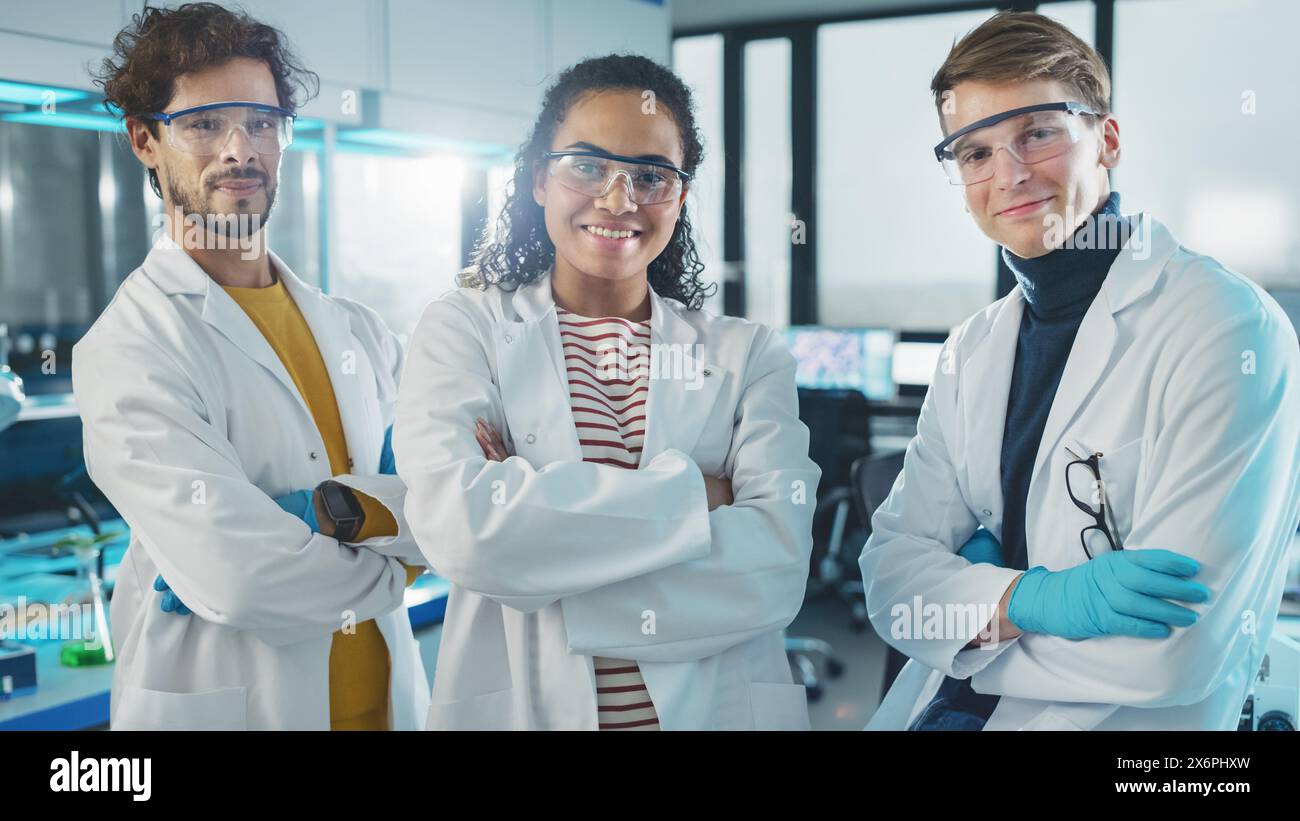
x=609, y=237
x=1018, y=205
x=236, y=184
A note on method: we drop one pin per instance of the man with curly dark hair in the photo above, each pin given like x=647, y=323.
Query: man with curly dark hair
x=236, y=417
x=155, y=61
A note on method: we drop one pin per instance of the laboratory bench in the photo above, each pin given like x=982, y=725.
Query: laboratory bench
x=77, y=698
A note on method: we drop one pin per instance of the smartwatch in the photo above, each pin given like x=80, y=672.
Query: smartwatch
x=343, y=508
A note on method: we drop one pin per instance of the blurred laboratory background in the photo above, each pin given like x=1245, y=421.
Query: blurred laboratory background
x=817, y=207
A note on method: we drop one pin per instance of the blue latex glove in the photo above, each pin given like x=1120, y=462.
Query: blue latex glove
x=171, y=603
x=982, y=548
x=299, y=504
x=387, y=463
x=1121, y=593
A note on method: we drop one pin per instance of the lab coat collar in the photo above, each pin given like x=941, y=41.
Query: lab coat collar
x=1140, y=262
x=331, y=327
x=990, y=362
x=534, y=301
x=666, y=324
x=173, y=270
x=988, y=367
x=176, y=272
x=1133, y=275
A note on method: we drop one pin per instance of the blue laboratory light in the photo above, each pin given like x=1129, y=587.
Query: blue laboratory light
x=67, y=119
x=28, y=94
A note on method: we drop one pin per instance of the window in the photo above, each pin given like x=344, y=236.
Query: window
x=499, y=179
x=397, y=232
x=295, y=225
x=767, y=181
x=698, y=61
x=1206, y=141
x=1079, y=16
x=895, y=247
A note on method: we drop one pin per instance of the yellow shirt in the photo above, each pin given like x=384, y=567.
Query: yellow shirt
x=359, y=663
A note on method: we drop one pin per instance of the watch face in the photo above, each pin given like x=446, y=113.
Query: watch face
x=342, y=506
x=340, y=502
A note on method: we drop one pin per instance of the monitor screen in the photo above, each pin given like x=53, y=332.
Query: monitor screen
x=843, y=359
x=914, y=363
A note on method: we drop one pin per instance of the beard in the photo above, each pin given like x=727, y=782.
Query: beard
x=239, y=224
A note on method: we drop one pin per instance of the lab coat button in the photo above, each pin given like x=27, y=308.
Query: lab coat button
x=508, y=339
x=708, y=372
x=530, y=438
x=313, y=456
x=987, y=512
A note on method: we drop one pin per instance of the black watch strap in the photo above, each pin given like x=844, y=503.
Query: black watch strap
x=344, y=509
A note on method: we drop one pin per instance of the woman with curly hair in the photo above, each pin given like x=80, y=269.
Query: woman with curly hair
x=615, y=481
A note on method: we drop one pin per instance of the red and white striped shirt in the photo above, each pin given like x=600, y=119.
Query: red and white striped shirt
x=607, y=361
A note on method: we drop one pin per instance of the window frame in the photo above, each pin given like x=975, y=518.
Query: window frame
x=802, y=34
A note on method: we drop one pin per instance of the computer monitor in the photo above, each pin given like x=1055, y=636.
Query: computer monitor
x=915, y=356
x=843, y=359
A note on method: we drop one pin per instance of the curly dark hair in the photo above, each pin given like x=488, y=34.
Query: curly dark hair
x=162, y=44
x=521, y=251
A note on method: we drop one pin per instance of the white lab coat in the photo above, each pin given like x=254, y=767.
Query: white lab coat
x=555, y=560
x=1184, y=375
x=192, y=426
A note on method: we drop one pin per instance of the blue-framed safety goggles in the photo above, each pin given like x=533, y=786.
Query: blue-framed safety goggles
x=204, y=129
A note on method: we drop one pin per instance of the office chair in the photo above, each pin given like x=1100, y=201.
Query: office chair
x=837, y=425
x=873, y=479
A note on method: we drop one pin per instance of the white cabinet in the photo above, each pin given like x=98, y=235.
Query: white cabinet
x=93, y=22
x=460, y=69
x=591, y=28
x=341, y=40
x=487, y=54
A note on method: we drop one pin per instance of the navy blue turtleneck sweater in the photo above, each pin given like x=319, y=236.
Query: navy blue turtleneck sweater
x=1058, y=287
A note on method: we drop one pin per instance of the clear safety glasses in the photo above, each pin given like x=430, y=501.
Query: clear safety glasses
x=1031, y=135
x=205, y=129
x=591, y=173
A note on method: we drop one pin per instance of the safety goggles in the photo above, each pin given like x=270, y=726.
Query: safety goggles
x=205, y=129
x=591, y=173
x=1030, y=134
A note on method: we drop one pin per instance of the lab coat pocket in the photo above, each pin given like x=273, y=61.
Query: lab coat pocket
x=1119, y=476
x=779, y=706
x=489, y=711
x=1119, y=466
x=143, y=709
